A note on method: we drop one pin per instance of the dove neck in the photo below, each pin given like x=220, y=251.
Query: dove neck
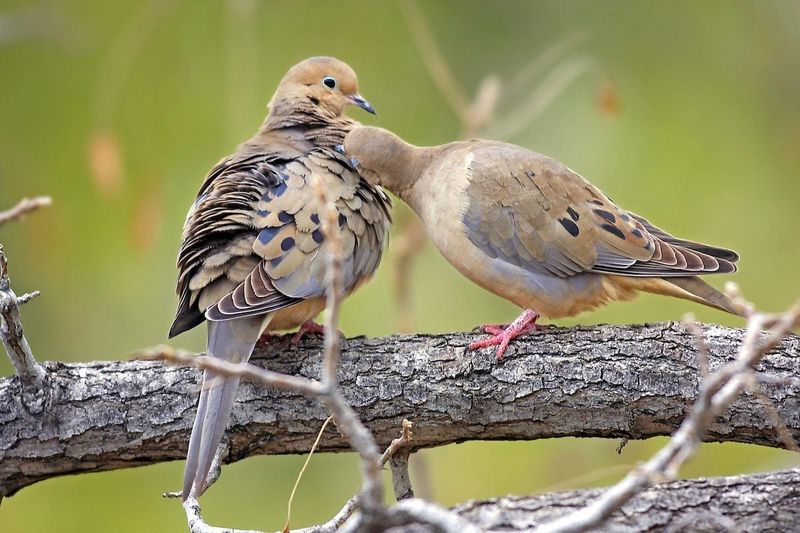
x=402, y=168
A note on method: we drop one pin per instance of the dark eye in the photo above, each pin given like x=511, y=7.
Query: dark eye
x=329, y=82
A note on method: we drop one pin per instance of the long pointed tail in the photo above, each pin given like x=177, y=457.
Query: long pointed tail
x=232, y=340
x=699, y=291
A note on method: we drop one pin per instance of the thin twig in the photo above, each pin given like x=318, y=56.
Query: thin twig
x=349, y=507
x=717, y=392
x=196, y=523
x=23, y=207
x=397, y=455
x=434, y=60
x=370, y=499
x=303, y=471
x=415, y=510
x=520, y=118
x=221, y=367
x=31, y=374
x=544, y=60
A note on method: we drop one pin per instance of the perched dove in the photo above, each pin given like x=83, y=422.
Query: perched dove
x=527, y=228
x=250, y=259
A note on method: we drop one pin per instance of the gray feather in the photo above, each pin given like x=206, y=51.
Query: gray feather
x=231, y=340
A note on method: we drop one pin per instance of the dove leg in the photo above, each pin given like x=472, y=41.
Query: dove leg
x=309, y=326
x=502, y=336
x=266, y=338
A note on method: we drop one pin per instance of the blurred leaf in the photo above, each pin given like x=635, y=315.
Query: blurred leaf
x=105, y=163
x=608, y=98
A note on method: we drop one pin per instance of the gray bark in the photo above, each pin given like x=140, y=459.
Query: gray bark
x=767, y=502
x=609, y=381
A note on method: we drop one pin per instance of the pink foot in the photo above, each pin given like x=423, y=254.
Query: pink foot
x=266, y=338
x=309, y=326
x=501, y=335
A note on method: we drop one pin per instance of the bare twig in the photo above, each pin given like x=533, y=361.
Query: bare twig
x=31, y=374
x=23, y=207
x=545, y=59
x=307, y=387
x=196, y=523
x=415, y=510
x=349, y=507
x=435, y=62
x=300, y=474
x=517, y=120
x=397, y=454
x=370, y=500
x=717, y=392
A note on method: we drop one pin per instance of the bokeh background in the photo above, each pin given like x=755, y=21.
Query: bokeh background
x=686, y=112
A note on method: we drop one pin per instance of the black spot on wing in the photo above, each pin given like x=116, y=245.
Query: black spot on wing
x=573, y=214
x=284, y=217
x=605, y=215
x=287, y=243
x=570, y=226
x=613, y=230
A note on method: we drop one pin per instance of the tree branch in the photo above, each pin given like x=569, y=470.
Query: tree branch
x=23, y=207
x=608, y=381
x=772, y=503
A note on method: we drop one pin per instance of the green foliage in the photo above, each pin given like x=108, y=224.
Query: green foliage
x=118, y=112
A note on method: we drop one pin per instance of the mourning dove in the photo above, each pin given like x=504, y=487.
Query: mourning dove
x=250, y=259
x=529, y=229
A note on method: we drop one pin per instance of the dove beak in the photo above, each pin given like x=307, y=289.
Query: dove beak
x=358, y=100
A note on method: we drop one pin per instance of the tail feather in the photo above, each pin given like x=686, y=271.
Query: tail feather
x=231, y=340
x=705, y=294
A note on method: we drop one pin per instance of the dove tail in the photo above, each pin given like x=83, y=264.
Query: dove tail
x=701, y=292
x=231, y=340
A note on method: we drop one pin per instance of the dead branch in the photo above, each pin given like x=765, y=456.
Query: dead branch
x=607, y=381
x=772, y=503
x=31, y=375
x=717, y=392
x=23, y=207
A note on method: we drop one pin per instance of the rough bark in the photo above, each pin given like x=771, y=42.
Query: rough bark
x=610, y=381
x=767, y=502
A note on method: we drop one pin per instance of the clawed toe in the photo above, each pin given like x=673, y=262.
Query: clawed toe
x=503, y=335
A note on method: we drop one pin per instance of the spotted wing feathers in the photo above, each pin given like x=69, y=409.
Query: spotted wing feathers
x=534, y=212
x=253, y=239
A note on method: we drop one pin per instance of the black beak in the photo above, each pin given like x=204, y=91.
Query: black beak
x=363, y=104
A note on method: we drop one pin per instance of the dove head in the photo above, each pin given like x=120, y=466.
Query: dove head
x=383, y=158
x=322, y=85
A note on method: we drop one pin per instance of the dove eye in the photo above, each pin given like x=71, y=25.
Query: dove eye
x=329, y=82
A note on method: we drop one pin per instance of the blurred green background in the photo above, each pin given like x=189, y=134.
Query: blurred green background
x=686, y=112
